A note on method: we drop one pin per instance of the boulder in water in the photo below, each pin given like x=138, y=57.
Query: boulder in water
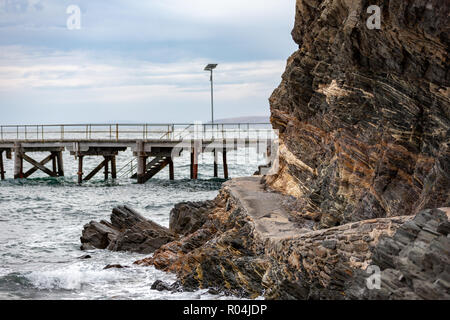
x=127, y=231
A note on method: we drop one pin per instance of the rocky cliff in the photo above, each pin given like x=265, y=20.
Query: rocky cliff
x=364, y=115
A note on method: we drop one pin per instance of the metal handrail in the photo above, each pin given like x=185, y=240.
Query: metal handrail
x=173, y=131
x=127, y=169
x=185, y=129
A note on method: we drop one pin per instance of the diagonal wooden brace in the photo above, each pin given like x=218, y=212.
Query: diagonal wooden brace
x=38, y=165
x=96, y=170
x=34, y=169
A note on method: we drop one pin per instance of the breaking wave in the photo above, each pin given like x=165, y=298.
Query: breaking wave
x=73, y=277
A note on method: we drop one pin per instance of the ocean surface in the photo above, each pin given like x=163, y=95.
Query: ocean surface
x=41, y=220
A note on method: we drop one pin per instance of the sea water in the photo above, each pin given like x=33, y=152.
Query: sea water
x=41, y=220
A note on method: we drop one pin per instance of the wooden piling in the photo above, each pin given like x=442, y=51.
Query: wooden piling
x=59, y=159
x=192, y=164
x=194, y=158
x=225, y=164
x=2, y=169
x=113, y=168
x=80, y=169
x=142, y=162
x=216, y=172
x=171, y=169
x=18, y=161
x=107, y=159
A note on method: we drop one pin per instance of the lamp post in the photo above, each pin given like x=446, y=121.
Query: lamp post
x=210, y=67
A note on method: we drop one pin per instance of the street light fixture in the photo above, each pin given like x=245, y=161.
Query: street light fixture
x=210, y=67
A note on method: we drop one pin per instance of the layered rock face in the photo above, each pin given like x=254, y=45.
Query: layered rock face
x=364, y=115
x=415, y=262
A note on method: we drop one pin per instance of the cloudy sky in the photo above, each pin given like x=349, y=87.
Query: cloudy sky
x=140, y=61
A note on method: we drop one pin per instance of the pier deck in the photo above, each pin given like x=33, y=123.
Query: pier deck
x=161, y=142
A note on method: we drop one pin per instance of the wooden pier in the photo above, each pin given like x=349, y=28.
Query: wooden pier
x=154, y=147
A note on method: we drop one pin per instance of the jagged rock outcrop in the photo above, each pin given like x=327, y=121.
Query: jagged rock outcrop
x=130, y=231
x=127, y=231
x=226, y=252
x=188, y=217
x=364, y=115
x=234, y=252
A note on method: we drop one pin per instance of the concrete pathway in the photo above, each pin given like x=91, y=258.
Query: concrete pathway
x=271, y=219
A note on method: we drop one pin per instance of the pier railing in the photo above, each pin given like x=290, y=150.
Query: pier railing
x=115, y=132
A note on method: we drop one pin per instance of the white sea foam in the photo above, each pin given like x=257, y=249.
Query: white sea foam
x=72, y=277
x=4, y=271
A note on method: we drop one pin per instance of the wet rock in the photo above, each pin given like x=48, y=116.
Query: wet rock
x=98, y=235
x=444, y=228
x=114, y=266
x=161, y=286
x=188, y=217
x=213, y=291
x=127, y=231
x=87, y=256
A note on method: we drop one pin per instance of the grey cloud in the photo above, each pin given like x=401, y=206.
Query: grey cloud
x=21, y=6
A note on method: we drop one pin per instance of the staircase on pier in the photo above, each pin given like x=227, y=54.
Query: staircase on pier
x=154, y=167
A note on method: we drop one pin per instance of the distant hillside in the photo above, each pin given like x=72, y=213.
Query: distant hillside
x=251, y=119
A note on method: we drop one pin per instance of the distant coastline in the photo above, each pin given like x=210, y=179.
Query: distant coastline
x=249, y=119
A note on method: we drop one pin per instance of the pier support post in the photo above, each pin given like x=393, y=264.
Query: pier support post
x=59, y=159
x=2, y=168
x=113, y=168
x=225, y=164
x=106, y=162
x=171, y=169
x=216, y=172
x=18, y=161
x=142, y=162
x=80, y=169
x=194, y=163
